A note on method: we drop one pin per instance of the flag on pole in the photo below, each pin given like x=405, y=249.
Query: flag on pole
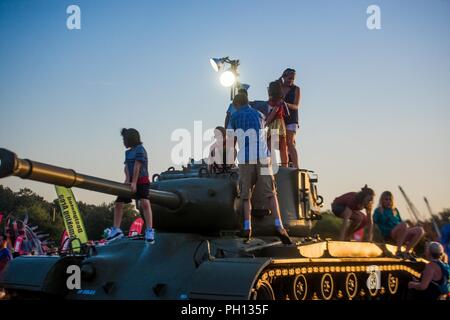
x=64, y=245
x=71, y=216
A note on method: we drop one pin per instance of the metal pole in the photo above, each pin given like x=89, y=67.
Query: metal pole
x=436, y=228
x=411, y=206
x=11, y=165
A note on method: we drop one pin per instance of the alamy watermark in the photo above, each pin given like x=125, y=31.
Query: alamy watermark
x=373, y=22
x=374, y=280
x=74, y=279
x=73, y=21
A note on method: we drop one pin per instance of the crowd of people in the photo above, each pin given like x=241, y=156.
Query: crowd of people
x=434, y=282
x=14, y=242
x=253, y=126
x=281, y=118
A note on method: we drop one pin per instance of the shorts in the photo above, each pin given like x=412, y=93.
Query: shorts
x=142, y=192
x=337, y=209
x=249, y=174
x=292, y=127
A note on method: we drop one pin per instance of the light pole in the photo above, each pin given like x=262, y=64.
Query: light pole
x=230, y=77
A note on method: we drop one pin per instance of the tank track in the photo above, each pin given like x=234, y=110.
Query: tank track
x=335, y=279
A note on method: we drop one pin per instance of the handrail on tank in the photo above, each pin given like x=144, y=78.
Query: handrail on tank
x=11, y=165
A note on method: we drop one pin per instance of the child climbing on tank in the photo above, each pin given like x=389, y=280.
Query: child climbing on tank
x=136, y=174
x=349, y=207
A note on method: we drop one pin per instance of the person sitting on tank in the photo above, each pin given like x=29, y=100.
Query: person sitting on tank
x=136, y=174
x=434, y=282
x=254, y=165
x=278, y=110
x=349, y=207
x=292, y=96
x=387, y=218
x=218, y=160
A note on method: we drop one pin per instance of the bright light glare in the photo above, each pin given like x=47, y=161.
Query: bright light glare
x=227, y=78
x=214, y=65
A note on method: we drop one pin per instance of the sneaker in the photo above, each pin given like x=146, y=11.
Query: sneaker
x=114, y=234
x=283, y=235
x=246, y=234
x=150, y=235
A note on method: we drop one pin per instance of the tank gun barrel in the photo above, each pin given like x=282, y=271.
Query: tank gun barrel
x=11, y=165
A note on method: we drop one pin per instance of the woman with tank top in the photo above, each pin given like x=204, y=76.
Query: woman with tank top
x=291, y=94
x=434, y=281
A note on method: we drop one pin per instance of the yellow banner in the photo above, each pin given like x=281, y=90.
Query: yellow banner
x=71, y=216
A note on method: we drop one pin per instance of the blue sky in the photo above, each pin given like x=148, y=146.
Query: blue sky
x=375, y=106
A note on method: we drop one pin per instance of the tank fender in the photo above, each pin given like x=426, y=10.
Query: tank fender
x=229, y=278
x=45, y=274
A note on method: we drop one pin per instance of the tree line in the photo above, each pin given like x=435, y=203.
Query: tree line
x=47, y=215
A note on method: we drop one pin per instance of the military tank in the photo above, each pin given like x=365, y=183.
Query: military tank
x=198, y=252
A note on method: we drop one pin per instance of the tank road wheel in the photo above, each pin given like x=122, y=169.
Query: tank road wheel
x=392, y=284
x=373, y=292
x=300, y=287
x=327, y=286
x=351, y=286
x=263, y=291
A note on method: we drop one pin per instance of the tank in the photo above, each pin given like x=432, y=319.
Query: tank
x=198, y=253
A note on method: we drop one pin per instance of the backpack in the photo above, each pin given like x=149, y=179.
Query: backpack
x=444, y=284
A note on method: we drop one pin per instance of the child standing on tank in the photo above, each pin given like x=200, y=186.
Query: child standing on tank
x=278, y=110
x=136, y=174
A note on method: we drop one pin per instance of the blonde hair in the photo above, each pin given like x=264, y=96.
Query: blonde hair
x=386, y=194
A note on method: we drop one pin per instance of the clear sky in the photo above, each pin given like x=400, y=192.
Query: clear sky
x=375, y=106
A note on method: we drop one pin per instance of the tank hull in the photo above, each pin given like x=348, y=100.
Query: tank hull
x=186, y=266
